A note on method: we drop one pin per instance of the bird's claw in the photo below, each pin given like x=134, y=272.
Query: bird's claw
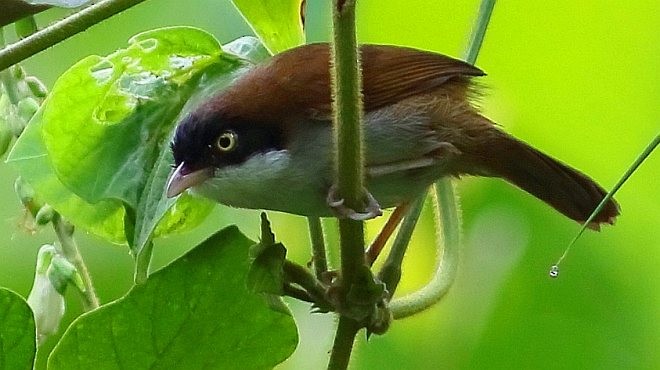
x=372, y=209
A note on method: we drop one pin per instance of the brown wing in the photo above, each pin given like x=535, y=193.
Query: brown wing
x=298, y=80
x=391, y=74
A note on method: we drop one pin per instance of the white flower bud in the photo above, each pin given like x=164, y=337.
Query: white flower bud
x=45, y=300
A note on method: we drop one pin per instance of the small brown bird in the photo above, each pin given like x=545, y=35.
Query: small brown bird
x=265, y=142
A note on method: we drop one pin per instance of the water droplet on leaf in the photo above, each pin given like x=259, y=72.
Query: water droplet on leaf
x=554, y=271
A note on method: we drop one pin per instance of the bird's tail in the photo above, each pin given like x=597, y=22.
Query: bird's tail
x=564, y=188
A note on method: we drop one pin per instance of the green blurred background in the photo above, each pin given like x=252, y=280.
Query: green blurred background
x=577, y=79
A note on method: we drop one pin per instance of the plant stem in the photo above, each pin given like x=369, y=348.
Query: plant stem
x=6, y=79
x=479, y=32
x=343, y=344
x=390, y=273
x=347, y=104
x=62, y=30
x=448, y=216
x=64, y=231
x=447, y=208
x=297, y=293
x=301, y=276
x=319, y=257
x=142, y=263
x=347, y=108
x=633, y=167
x=348, y=134
x=11, y=89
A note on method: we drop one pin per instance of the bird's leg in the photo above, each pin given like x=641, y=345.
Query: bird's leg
x=372, y=208
x=385, y=233
x=444, y=151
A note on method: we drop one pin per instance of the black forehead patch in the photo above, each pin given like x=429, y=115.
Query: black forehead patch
x=193, y=134
x=195, y=137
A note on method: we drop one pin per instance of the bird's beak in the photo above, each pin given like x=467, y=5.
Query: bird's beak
x=182, y=178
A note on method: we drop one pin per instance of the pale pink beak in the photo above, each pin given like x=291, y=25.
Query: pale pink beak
x=182, y=178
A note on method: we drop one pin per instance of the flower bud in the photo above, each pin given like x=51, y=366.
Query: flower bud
x=37, y=87
x=17, y=71
x=27, y=107
x=46, y=302
x=24, y=191
x=44, y=215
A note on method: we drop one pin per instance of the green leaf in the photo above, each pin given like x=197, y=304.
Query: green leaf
x=107, y=125
x=266, y=274
x=266, y=239
x=18, y=344
x=108, y=122
x=277, y=22
x=195, y=313
x=249, y=48
x=108, y=119
x=29, y=155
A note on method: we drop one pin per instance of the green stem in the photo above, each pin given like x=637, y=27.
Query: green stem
x=297, y=293
x=11, y=89
x=347, y=105
x=343, y=344
x=348, y=134
x=64, y=231
x=301, y=276
x=633, y=167
x=479, y=32
x=319, y=257
x=347, y=108
x=390, y=273
x=142, y=263
x=6, y=78
x=448, y=216
x=62, y=30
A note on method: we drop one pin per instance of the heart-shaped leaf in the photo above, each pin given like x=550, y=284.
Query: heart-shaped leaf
x=108, y=119
x=17, y=332
x=104, y=218
x=195, y=313
x=100, y=142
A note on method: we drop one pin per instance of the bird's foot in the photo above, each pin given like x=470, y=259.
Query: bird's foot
x=371, y=210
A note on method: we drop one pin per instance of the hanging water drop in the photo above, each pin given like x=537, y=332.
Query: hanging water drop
x=554, y=271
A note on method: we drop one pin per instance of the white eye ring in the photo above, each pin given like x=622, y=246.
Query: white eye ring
x=226, y=142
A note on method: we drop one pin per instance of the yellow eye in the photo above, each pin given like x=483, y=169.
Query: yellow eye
x=226, y=142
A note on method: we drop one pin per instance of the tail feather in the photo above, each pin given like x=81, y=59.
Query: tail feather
x=567, y=190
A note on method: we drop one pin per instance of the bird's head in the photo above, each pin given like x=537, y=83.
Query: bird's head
x=208, y=140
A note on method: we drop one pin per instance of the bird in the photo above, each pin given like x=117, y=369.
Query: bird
x=266, y=140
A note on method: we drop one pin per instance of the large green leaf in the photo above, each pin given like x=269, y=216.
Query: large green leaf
x=104, y=218
x=277, y=22
x=18, y=343
x=195, y=313
x=100, y=141
x=108, y=118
